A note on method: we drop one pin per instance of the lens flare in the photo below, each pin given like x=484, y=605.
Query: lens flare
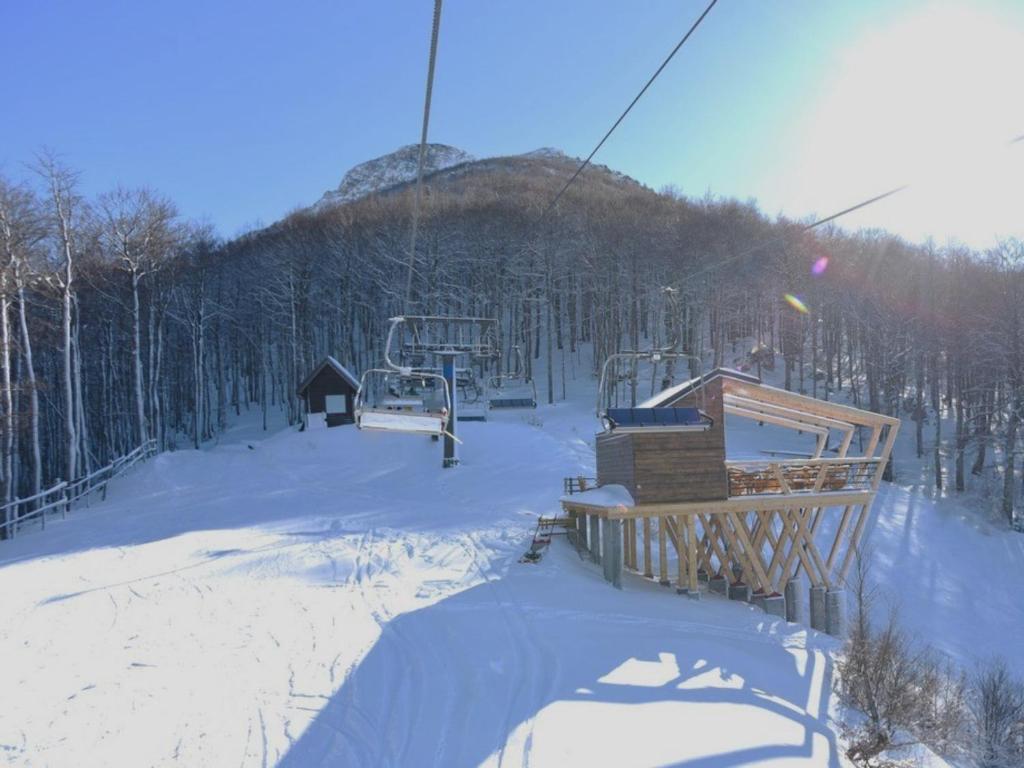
x=819, y=266
x=796, y=303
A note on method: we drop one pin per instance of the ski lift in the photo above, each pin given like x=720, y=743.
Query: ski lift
x=416, y=336
x=648, y=419
x=514, y=391
x=426, y=416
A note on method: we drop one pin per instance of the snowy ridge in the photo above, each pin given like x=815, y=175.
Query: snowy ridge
x=389, y=170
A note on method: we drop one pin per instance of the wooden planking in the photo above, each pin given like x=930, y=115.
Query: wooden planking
x=615, y=460
x=787, y=413
x=831, y=410
x=773, y=502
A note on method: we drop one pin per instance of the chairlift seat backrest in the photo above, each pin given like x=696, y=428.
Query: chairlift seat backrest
x=512, y=402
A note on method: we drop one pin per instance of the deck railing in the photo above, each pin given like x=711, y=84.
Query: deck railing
x=60, y=496
x=571, y=485
x=748, y=478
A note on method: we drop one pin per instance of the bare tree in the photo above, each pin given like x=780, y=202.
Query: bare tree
x=136, y=231
x=907, y=696
x=996, y=717
x=63, y=204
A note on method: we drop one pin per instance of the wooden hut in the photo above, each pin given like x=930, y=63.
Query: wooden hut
x=329, y=392
x=752, y=526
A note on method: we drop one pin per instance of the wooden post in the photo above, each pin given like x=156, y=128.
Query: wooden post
x=691, y=554
x=648, y=565
x=681, y=550
x=662, y=552
x=634, y=561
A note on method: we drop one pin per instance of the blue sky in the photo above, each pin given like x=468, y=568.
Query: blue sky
x=241, y=111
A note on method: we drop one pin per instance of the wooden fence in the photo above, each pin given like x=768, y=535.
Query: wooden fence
x=59, y=497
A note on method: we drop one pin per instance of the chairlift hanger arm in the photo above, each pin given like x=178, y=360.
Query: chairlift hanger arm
x=652, y=355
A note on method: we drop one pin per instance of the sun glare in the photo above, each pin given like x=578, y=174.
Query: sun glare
x=931, y=101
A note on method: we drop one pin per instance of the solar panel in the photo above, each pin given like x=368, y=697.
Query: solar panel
x=655, y=418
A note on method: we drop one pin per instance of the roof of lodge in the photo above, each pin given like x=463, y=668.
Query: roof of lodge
x=334, y=365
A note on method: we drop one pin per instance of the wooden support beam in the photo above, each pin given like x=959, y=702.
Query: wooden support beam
x=648, y=565
x=844, y=521
x=662, y=550
x=753, y=556
x=767, y=418
x=791, y=414
x=682, y=550
x=714, y=537
x=799, y=549
x=768, y=501
x=691, y=553
x=634, y=560
x=763, y=393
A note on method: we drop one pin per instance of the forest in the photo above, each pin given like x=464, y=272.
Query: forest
x=121, y=322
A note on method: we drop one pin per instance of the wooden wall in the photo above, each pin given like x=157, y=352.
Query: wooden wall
x=661, y=466
x=328, y=382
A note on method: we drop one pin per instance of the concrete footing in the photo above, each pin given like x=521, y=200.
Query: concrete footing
x=594, y=539
x=719, y=584
x=694, y=595
x=665, y=583
x=702, y=576
x=818, y=608
x=775, y=605
x=794, y=601
x=835, y=612
x=757, y=599
x=739, y=591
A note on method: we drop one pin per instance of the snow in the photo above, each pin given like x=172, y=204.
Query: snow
x=333, y=597
x=605, y=496
x=344, y=372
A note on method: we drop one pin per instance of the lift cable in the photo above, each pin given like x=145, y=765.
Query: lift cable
x=622, y=117
x=422, y=153
x=814, y=225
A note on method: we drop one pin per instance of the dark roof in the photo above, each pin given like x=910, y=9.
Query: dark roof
x=679, y=391
x=334, y=365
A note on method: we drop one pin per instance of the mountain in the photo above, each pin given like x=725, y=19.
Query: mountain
x=444, y=164
x=390, y=170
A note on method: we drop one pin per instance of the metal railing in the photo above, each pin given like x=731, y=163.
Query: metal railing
x=571, y=485
x=60, y=497
x=749, y=478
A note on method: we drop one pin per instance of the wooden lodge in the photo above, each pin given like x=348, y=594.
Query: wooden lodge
x=751, y=529
x=329, y=394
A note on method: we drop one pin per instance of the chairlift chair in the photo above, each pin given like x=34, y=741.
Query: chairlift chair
x=383, y=415
x=514, y=391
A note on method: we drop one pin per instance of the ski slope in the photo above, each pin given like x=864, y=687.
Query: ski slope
x=334, y=598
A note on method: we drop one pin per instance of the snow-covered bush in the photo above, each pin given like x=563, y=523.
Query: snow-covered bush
x=907, y=696
x=996, y=718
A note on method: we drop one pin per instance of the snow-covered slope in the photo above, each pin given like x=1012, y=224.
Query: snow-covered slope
x=389, y=170
x=335, y=598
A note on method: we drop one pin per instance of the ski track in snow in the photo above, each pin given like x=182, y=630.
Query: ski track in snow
x=335, y=598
